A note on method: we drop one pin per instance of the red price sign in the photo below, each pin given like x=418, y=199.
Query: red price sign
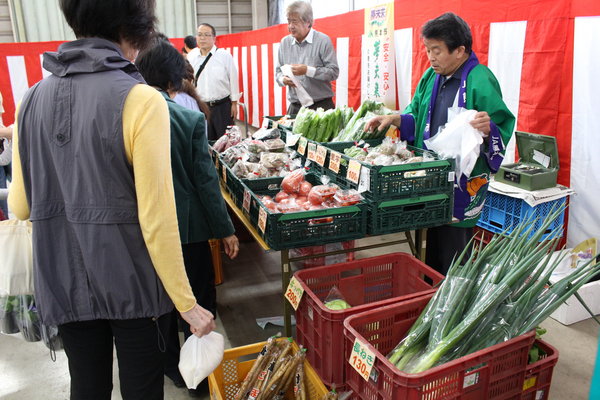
x=353, y=174
x=262, y=219
x=294, y=292
x=302, y=145
x=334, y=161
x=321, y=155
x=312, y=151
x=247, y=197
x=362, y=359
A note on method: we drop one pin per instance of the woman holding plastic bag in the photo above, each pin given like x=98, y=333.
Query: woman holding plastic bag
x=201, y=210
x=91, y=169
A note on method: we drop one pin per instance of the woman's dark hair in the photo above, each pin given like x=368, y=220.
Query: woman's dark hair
x=450, y=29
x=114, y=20
x=162, y=66
x=189, y=88
x=190, y=42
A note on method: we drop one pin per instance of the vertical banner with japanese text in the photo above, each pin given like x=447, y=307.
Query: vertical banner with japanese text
x=378, y=46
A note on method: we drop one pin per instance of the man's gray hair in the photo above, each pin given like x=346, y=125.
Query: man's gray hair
x=303, y=9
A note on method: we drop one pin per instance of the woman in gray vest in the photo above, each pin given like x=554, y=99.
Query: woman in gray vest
x=92, y=172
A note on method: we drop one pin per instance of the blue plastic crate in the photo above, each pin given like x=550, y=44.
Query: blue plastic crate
x=502, y=213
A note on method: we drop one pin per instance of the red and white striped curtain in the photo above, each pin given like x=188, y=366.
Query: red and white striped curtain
x=542, y=52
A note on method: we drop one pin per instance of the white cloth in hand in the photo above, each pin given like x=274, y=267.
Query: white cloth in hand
x=302, y=94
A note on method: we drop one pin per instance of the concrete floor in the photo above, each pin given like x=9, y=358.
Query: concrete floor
x=252, y=289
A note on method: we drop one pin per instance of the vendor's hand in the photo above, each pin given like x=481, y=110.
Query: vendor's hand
x=288, y=81
x=231, y=245
x=299, y=69
x=481, y=122
x=201, y=321
x=234, y=110
x=381, y=122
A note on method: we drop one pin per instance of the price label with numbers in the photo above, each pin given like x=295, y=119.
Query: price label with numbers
x=294, y=292
x=262, y=219
x=246, y=203
x=321, y=155
x=362, y=359
x=334, y=161
x=302, y=145
x=353, y=174
x=312, y=151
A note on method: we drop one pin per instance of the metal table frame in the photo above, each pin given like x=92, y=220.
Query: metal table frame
x=416, y=247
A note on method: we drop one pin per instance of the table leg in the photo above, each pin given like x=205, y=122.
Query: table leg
x=285, y=281
x=420, y=237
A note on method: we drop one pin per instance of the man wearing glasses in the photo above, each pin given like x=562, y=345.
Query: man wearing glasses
x=216, y=79
x=312, y=59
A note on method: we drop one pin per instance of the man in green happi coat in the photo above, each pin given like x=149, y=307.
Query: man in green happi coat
x=455, y=79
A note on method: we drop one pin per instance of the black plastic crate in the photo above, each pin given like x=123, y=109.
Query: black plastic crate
x=305, y=228
x=395, y=181
x=401, y=215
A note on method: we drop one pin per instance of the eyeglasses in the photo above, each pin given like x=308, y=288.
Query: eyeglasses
x=204, y=35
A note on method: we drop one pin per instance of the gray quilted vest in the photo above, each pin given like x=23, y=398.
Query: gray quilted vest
x=90, y=258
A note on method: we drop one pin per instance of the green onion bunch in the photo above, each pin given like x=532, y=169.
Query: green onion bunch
x=491, y=294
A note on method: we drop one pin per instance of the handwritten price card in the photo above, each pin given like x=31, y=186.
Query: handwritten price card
x=321, y=154
x=246, y=203
x=353, y=174
x=362, y=359
x=312, y=151
x=294, y=292
x=262, y=219
x=302, y=145
x=334, y=161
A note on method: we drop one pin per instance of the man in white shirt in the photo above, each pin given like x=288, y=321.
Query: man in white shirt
x=216, y=81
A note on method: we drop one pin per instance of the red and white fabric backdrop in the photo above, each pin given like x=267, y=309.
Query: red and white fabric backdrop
x=542, y=52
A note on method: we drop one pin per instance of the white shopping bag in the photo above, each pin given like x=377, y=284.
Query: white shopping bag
x=303, y=96
x=199, y=357
x=16, y=262
x=458, y=140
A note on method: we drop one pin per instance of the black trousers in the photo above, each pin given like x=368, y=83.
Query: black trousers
x=325, y=104
x=198, y=265
x=443, y=243
x=219, y=119
x=140, y=353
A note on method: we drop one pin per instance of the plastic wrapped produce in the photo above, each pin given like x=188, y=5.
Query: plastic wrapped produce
x=233, y=154
x=274, y=160
x=291, y=183
x=349, y=197
x=321, y=193
x=266, y=134
x=255, y=146
x=274, y=145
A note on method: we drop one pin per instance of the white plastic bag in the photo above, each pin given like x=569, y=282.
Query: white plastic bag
x=199, y=357
x=458, y=140
x=303, y=96
x=16, y=263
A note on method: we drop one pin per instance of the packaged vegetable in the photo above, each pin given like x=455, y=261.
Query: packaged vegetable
x=343, y=198
x=274, y=145
x=256, y=146
x=291, y=183
x=305, y=188
x=321, y=193
x=274, y=160
x=266, y=134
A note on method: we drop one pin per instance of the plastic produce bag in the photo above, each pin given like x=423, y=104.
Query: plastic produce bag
x=16, y=263
x=458, y=140
x=335, y=300
x=199, y=357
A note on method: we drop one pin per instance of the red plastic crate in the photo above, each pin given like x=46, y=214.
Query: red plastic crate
x=538, y=375
x=495, y=373
x=366, y=284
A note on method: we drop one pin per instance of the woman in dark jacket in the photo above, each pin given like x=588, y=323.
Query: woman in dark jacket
x=201, y=210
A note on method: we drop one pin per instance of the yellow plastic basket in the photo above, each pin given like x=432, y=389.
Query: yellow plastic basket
x=225, y=380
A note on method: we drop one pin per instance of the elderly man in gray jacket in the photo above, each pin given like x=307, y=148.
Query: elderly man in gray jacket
x=312, y=59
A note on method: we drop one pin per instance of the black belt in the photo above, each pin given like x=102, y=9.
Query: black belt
x=217, y=102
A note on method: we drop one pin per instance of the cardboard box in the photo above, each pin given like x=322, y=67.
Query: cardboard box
x=572, y=311
x=538, y=164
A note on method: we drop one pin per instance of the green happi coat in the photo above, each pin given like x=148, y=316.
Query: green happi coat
x=482, y=94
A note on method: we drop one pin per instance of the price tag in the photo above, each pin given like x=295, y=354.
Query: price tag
x=353, y=174
x=224, y=171
x=294, y=292
x=302, y=145
x=334, y=161
x=312, y=151
x=217, y=162
x=291, y=139
x=365, y=180
x=321, y=155
x=246, y=203
x=265, y=123
x=262, y=219
x=362, y=359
